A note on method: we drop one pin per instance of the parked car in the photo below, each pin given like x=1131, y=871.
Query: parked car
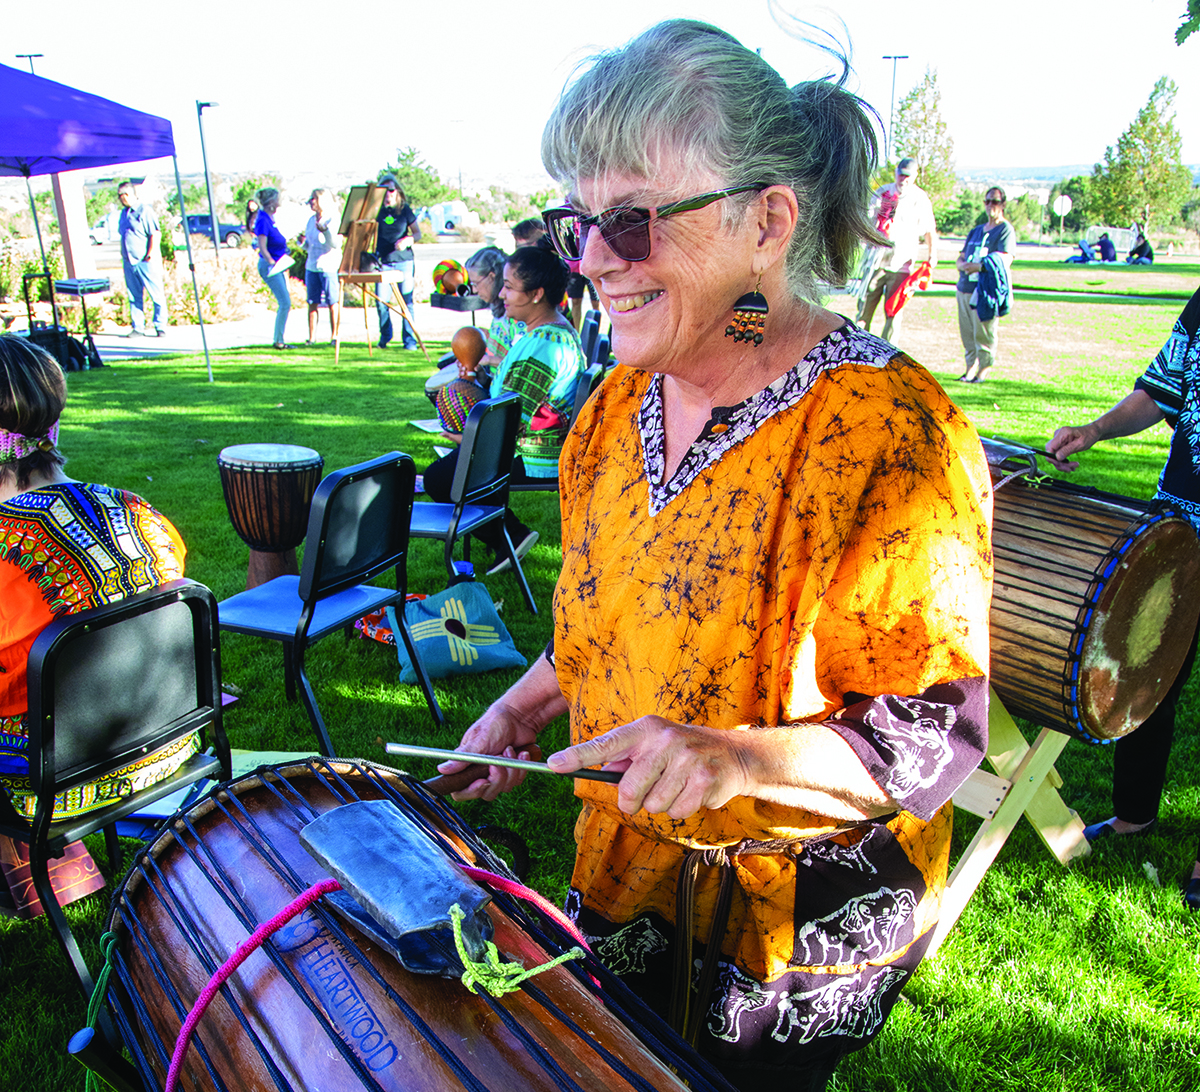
x=201, y=224
x=104, y=230
x=449, y=216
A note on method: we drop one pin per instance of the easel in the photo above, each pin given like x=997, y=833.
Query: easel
x=1026, y=783
x=359, y=225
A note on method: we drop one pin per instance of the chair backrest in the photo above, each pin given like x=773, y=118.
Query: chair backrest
x=591, y=378
x=110, y=685
x=602, y=352
x=485, y=455
x=589, y=331
x=358, y=525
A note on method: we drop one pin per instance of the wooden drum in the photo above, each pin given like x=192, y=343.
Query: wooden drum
x=1094, y=604
x=322, y=1006
x=268, y=489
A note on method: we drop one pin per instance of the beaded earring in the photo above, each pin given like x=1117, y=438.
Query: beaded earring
x=749, y=317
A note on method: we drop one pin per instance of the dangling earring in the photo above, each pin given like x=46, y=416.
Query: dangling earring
x=749, y=317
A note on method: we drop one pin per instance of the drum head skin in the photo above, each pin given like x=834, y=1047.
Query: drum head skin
x=250, y=456
x=1137, y=638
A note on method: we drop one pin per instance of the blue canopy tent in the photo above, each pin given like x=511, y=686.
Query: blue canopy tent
x=47, y=127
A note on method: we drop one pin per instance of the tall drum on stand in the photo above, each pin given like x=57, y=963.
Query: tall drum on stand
x=268, y=489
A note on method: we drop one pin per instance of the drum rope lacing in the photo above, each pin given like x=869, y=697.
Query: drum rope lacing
x=589, y=974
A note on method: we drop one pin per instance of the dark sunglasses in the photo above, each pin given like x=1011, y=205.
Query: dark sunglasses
x=626, y=230
x=992, y=201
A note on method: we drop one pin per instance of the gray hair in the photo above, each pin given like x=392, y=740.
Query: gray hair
x=268, y=195
x=490, y=259
x=688, y=90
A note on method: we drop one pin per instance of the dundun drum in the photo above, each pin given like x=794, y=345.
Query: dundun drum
x=322, y=1007
x=1094, y=602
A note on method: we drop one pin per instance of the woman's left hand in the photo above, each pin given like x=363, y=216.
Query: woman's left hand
x=667, y=768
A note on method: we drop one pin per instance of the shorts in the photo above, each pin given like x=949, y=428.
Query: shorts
x=320, y=288
x=577, y=284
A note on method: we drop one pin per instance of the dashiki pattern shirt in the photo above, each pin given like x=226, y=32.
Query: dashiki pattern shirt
x=1173, y=381
x=543, y=366
x=65, y=548
x=823, y=554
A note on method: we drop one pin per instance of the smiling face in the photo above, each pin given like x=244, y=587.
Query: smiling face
x=670, y=311
x=519, y=304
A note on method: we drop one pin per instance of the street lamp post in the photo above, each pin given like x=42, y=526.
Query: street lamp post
x=887, y=152
x=212, y=209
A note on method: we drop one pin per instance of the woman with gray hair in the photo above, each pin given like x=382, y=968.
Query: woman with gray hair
x=772, y=615
x=272, y=248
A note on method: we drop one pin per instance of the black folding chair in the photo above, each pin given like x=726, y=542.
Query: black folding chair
x=107, y=687
x=357, y=528
x=479, y=492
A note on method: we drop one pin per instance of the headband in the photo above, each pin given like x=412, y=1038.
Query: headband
x=14, y=446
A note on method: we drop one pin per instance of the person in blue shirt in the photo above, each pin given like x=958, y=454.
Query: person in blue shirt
x=139, y=231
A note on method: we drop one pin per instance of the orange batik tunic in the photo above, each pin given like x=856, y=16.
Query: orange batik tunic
x=822, y=555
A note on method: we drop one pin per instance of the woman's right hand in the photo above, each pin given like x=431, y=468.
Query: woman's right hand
x=500, y=731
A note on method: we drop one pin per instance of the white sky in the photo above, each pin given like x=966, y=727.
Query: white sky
x=307, y=86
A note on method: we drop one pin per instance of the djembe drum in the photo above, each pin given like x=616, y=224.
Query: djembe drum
x=1094, y=599
x=268, y=489
x=324, y=1004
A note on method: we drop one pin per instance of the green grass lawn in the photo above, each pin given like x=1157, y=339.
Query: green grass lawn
x=1079, y=978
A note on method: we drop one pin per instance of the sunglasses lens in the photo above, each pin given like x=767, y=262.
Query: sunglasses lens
x=564, y=234
x=627, y=232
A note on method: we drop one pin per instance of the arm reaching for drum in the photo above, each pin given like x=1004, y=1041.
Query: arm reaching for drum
x=509, y=727
x=1135, y=412
x=677, y=769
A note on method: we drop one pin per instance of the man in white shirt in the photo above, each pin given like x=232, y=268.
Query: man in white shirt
x=904, y=214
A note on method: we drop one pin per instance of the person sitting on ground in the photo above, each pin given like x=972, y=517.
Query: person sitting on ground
x=1107, y=248
x=543, y=366
x=1142, y=253
x=91, y=545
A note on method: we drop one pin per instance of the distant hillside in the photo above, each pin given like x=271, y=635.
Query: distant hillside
x=1035, y=177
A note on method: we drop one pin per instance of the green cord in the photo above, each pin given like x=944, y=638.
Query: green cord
x=108, y=948
x=494, y=976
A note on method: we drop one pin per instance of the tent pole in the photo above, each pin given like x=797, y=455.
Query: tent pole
x=192, y=266
x=45, y=265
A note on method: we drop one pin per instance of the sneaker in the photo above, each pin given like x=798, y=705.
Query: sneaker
x=136, y=333
x=160, y=333
x=523, y=547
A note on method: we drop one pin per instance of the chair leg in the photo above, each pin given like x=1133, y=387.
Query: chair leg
x=310, y=701
x=112, y=845
x=516, y=564
x=439, y=718
x=289, y=675
x=39, y=871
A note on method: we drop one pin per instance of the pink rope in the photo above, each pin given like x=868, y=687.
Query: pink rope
x=511, y=887
x=243, y=951
x=255, y=941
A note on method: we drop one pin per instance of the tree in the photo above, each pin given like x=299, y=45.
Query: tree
x=195, y=197
x=1144, y=179
x=1079, y=190
x=246, y=189
x=1190, y=24
x=420, y=182
x=922, y=134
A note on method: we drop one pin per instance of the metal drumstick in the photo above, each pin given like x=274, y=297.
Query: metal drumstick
x=611, y=776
